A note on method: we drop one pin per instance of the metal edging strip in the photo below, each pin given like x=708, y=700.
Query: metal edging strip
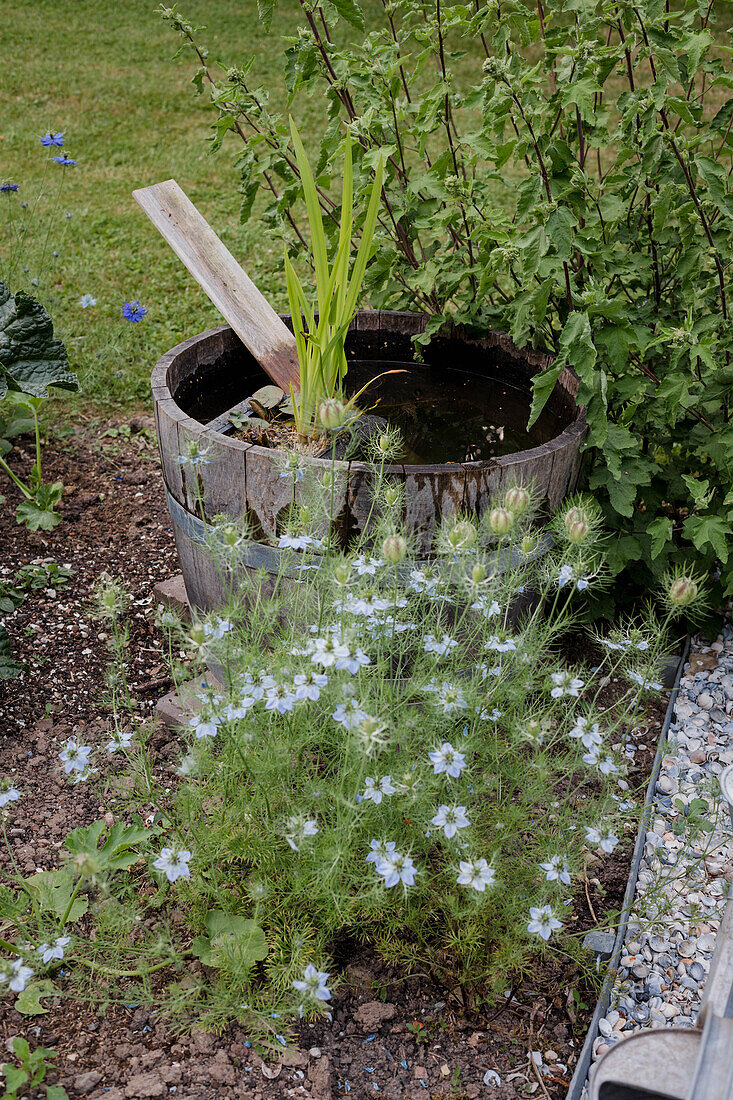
x=578, y=1082
x=289, y=563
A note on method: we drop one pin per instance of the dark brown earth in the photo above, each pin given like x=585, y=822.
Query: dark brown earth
x=392, y=1035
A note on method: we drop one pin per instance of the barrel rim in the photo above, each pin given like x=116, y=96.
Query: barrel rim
x=570, y=435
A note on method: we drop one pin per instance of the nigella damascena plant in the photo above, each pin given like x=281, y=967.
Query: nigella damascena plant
x=402, y=744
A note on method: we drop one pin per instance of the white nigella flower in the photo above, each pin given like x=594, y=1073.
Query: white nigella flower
x=75, y=758
x=327, y=651
x=607, y=766
x=475, y=873
x=367, y=566
x=446, y=759
x=121, y=740
x=419, y=581
x=380, y=850
x=298, y=829
x=368, y=606
x=188, y=766
x=488, y=607
x=299, y=542
x=349, y=714
x=484, y=670
x=9, y=794
x=605, y=841
x=588, y=735
x=55, y=950
x=313, y=983
x=18, y=975
x=308, y=685
x=173, y=862
x=196, y=455
x=554, y=872
x=500, y=645
x=377, y=790
x=492, y=715
x=279, y=698
x=395, y=868
x=352, y=660
x=83, y=777
x=565, y=684
x=450, y=819
x=204, y=725
x=439, y=646
x=217, y=629
x=565, y=576
x=239, y=706
x=447, y=696
x=648, y=685
x=541, y=921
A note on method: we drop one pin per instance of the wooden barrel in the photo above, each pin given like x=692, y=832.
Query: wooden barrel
x=242, y=480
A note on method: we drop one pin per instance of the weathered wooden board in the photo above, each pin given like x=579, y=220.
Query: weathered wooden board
x=226, y=284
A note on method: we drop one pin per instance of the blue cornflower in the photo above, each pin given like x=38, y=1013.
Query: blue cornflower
x=133, y=311
x=8, y=186
x=66, y=161
x=52, y=139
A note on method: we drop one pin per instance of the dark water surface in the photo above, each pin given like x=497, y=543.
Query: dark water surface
x=444, y=414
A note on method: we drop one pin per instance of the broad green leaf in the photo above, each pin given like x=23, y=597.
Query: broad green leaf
x=542, y=386
x=661, y=533
x=31, y=358
x=14, y=1079
x=56, y=1092
x=235, y=938
x=52, y=892
x=711, y=531
x=350, y=11
x=28, y=1003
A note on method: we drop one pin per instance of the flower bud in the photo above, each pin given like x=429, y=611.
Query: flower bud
x=384, y=443
x=197, y=635
x=575, y=515
x=479, y=573
x=343, y=573
x=683, y=591
x=529, y=542
x=332, y=414
x=391, y=495
x=462, y=535
x=517, y=500
x=501, y=521
x=394, y=549
x=577, y=531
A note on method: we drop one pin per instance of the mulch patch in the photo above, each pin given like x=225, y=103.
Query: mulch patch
x=394, y=1035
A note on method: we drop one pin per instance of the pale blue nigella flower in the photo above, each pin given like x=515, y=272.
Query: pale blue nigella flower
x=541, y=922
x=314, y=983
x=10, y=794
x=450, y=819
x=377, y=790
x=87, y=300
x=75, y=757
x=475, y=873
x=446, y=759
x=173, y=863
x=556, y=873
x=55, y=950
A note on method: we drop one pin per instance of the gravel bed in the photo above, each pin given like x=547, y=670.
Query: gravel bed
x=687, y=864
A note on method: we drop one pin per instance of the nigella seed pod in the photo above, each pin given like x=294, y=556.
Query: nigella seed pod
x=575, y=515
x=517, y=500
x=478, y=573
x=343, y=574
x=683, y=591
x=501, y=521
x=577, y=531
x=332, y=414
x=394, y=549
x=197, y=635
x=528, y=544
x=463, y=535
x=384, y=443
x=391, y=495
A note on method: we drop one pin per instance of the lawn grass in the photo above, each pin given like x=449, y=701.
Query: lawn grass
x=103, y=74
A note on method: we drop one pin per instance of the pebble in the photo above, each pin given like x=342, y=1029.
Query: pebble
x=685, y=871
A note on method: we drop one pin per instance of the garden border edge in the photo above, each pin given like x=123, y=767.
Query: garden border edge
x=580, y=1076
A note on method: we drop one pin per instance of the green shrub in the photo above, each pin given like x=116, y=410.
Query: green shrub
x=558, y=171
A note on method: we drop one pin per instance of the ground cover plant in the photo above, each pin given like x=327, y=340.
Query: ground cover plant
x=418, y=765
x=562, y=174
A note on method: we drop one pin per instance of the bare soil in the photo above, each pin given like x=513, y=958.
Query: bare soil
x=392, y=1034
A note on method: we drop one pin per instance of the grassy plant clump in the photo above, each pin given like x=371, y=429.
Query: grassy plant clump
x=402, y=753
